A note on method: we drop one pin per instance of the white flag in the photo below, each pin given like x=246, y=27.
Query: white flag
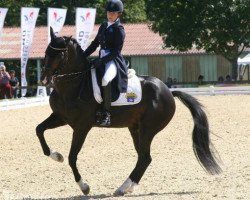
x=28, y=22
x=56, y=19
x=85, y=21
x=3, y=12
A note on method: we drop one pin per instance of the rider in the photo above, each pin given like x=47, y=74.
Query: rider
x=110, y=62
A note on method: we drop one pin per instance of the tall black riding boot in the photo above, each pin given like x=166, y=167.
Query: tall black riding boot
x=106, y=105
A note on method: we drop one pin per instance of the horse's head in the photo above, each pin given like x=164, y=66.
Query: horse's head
x=56, y=56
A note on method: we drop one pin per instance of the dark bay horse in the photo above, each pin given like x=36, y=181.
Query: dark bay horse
x=73, y=103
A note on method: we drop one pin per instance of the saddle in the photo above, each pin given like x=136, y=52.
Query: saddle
x=131, y=97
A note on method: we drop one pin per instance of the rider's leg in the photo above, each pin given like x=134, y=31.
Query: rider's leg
x=110, y=73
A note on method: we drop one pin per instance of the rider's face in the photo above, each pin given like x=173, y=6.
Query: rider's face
x=112, y=16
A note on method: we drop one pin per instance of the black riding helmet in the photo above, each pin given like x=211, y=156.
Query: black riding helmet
x=114, y=6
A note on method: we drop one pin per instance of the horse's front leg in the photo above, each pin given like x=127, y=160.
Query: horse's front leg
x=76, y=145
x=53, y=121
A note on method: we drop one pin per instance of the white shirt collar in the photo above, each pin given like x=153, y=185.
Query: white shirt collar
x=111, y=23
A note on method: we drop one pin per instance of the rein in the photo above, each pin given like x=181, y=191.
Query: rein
x=73, y=74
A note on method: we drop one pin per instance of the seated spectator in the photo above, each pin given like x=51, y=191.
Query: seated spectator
x=14, y=82
x=220, y=79
x=5, y=83
x=228, y=78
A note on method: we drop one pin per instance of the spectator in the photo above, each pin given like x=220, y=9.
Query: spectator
x=14, y=82
x=220, y=79
x=169, y=82
x=200, y=79
x=5, y=83
x=228, y=78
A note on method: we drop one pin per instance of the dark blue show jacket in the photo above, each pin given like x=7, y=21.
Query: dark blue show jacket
x=111, y=39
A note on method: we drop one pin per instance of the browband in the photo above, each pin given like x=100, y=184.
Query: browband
x=58, y=49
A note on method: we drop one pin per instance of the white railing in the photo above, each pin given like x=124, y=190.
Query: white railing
x=215, y=90
x=44, y=100
x=23, y=102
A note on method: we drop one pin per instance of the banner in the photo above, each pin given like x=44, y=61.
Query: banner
x=3, y=12
x=28, y=22
x=56, y=19
x=85, y=21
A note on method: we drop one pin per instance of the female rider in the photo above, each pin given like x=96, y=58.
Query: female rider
x=110, y=62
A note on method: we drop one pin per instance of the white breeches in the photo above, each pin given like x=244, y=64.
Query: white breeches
x=110, y=69
x=110, y=73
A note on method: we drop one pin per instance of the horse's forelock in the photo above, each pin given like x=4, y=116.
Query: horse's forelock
x=59, y=42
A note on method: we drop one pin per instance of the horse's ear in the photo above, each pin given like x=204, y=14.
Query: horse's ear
x=67, y=40
x=52, y=34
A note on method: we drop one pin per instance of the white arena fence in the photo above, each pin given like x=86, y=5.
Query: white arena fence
x=211, y=90
x=42, y=98
x=23, y=102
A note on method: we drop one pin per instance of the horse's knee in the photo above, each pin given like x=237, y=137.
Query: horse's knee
x=39, y=130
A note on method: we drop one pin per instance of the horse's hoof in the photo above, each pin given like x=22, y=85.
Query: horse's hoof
x=56, y=156
x=126, y=187
x=119, y=193
x=86, y=190
x=84, y=187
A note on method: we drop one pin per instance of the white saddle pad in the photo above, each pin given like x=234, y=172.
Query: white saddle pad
x=131, y=97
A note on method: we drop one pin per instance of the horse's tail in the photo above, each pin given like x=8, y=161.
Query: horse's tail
x=201, y=142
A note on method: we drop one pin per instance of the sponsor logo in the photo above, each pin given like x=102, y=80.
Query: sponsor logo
x=56, y=17
x=131, y=96
x=86, y=17
x=29, y=18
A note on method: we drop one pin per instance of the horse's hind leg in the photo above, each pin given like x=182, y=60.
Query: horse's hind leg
x=142, y=138
x=53, y=121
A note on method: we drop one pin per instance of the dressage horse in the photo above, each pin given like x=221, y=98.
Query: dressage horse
x=73, y=103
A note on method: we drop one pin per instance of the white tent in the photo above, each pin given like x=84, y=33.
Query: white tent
x=245, y=60
x=242, y=63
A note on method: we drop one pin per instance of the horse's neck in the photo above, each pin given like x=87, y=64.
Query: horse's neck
x=72, y=76
x=68, y=87
x=75, y=62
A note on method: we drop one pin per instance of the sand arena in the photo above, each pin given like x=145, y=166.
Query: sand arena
x=108, y=157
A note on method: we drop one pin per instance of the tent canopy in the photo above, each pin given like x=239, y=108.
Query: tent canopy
x=245, y=60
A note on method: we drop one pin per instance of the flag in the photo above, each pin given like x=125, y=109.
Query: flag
x=56, y=19
x=28, y=22
x=3, y=12
x=85, y=21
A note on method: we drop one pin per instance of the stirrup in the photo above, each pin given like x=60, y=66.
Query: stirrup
x=105, y=121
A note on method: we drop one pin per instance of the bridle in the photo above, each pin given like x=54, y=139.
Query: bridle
x=64, y=51
x=59, y=49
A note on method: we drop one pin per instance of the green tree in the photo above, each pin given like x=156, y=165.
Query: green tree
x=134, y=10
x=218, y=26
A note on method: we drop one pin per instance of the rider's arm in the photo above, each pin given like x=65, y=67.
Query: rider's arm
x=94, y=44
